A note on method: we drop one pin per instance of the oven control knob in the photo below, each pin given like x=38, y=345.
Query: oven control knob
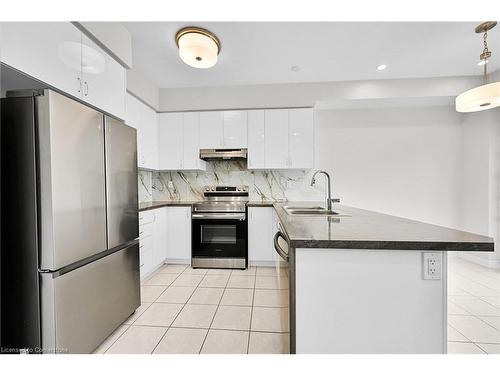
x=213, y=189
x=238, y=189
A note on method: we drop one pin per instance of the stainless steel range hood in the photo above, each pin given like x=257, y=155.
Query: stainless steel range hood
x=226, y=154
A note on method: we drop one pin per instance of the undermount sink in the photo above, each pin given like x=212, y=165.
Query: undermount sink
x=313, y=211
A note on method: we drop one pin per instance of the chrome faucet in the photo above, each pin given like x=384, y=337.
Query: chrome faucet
x=329, y=188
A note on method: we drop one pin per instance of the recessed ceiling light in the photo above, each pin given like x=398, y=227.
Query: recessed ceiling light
x=295, y=68
x=482, y=62
x=381, y=67
x=198, y=47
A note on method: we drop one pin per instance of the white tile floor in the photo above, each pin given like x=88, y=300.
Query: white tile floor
x=192, y=311
x=188, y=310
x=473, y=308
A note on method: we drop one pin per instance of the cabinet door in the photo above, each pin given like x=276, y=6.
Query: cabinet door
x=211, y=130
x=256, y=140
x=191, y=151
x=170, y=146
x=133, y=118
x=160, y=237
x=149, y=129
x=103, y=79
x=276, y=137
x=301, y=138
x=235, y=129
x=179, y=234
x=47, y=51
x=260, y=236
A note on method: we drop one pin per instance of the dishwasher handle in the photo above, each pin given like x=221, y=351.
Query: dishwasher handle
x=283, y=254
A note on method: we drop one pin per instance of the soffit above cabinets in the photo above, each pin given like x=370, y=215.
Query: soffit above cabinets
x=272, y=52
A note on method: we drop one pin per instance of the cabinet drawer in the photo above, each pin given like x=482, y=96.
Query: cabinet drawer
x=146, y=217
x=146, y=230
x=146, y=244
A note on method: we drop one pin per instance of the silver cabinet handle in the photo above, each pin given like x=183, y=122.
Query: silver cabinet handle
x=86, y=85
x=277, y=247
x=79, y=84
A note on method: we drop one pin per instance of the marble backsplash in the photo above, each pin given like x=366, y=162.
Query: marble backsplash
x=263, y=185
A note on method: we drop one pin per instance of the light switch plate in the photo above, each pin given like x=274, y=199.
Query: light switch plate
x=432, y=266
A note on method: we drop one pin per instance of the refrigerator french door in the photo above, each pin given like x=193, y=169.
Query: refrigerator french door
x=70, y=259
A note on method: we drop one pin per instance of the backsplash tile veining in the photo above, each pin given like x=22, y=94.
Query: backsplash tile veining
x=263, y=185
x=145, y=191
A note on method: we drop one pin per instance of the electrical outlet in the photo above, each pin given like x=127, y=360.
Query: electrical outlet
x=432, y=266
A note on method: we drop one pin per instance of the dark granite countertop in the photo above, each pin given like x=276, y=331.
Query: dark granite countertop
x=363, y=229
x=144, y=206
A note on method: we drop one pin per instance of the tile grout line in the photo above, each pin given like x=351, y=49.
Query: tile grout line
x=217, y=309
x=251, y=315
x=182, y=308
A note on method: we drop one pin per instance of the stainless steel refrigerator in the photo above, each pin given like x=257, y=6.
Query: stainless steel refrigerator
x=70, y=254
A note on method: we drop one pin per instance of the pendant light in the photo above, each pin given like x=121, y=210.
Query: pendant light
x=198, y=47
x=486, y=96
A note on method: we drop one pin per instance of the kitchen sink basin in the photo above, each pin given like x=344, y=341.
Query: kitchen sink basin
x=311, y=211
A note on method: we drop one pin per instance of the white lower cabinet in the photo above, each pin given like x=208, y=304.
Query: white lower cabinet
x=179, y=235
x=260, y=236
x=160, y=236
x=152, y=240
x=164, y=235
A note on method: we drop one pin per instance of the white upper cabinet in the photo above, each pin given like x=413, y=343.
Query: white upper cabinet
x=149, y=137
x=235, y=129
x=103, y=79
x=281, y=139
x=179, y=142
x=256, y=140
x=47, y=51
x=301, y=138
x=170, y=141
x=191, y=142
x=145, y=120
x=223, y=129
x=58, y=54
x=211, y=129
x=276, y=138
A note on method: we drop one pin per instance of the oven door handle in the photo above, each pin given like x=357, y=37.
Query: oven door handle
x=219, y=216
x=283, y=254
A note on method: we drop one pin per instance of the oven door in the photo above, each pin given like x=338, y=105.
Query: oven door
x=219, y=235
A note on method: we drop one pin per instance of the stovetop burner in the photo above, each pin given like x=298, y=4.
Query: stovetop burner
x=223, y=199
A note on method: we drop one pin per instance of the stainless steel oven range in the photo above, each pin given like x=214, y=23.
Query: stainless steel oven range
x=220, y=228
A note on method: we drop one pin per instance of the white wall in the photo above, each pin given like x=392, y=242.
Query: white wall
x=142, y=88
x=480, y=195
x=403, y=161
x=308, y=94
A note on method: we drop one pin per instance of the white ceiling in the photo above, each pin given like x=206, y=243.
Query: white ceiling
x=260, y=52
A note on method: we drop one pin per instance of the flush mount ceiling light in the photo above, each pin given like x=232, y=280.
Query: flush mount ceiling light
x=198, y=47
x=486, y=96
x=381, y=67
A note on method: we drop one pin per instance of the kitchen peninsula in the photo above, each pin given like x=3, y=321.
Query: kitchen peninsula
x=366, y=282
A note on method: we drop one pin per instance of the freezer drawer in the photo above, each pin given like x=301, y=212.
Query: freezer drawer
x=121, y=182
x=82, y=307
